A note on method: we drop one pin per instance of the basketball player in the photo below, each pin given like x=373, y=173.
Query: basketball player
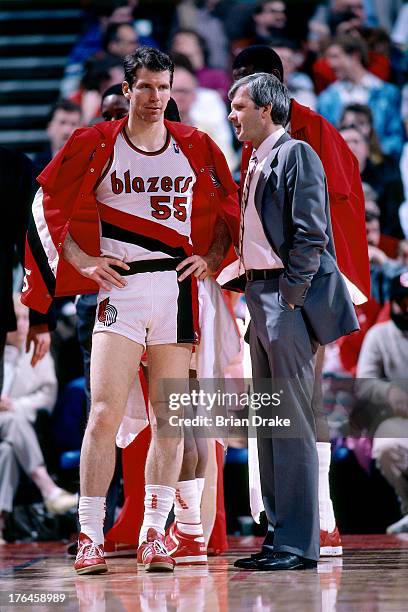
x=167, y=212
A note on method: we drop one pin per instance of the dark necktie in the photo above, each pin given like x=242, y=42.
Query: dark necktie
x=244, y=203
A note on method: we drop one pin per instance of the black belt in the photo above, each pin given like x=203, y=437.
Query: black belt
x=254, y=275
x=149, y=265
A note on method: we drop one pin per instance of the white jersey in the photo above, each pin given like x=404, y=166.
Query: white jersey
x=155, y=187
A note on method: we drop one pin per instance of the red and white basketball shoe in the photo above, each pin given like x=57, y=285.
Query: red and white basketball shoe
x=119, y=549
x=90, y=557
x=186, y=549
x=153, y=555
x=330, y=543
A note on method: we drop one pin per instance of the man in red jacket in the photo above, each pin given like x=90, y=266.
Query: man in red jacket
x=348, y=222
x=140, y=208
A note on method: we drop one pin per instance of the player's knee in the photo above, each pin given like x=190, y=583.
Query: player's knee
x=103, y=417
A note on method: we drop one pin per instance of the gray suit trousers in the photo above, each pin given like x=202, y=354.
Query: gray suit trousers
x=283, y=354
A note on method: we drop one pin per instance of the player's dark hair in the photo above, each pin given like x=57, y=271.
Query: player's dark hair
x=147, y=57
x=65, y=105
x=259, y=58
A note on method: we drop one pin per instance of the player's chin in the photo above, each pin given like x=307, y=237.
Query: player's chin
x=154, y=116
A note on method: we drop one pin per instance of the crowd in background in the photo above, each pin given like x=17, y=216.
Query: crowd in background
x=345, y=59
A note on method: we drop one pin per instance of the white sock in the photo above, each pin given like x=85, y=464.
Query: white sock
x=91, y=513
x=326, y=512
x=200, y=488
x=187, y=507
x=157, y=505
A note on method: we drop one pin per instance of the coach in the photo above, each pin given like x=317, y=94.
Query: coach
x=297, y=300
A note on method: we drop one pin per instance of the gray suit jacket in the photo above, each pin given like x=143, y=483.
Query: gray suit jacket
x=292, y=201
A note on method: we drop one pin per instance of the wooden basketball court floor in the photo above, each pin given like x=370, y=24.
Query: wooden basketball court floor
x=372, y=576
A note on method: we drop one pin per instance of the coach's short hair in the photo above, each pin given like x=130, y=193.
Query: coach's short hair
x=264, y=89
x=150, y=58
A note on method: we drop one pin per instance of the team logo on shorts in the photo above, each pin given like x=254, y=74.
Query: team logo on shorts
x=216, y=181
x=107, y=313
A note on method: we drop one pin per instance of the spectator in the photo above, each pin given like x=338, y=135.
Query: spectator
x=360, y=116
x=91, y=41
x=347, y=56
x=120, y=39
x=207, y=19
x=384, y=357
x=194, y=102
x=26, y=389
x=100, y=74
x=299, y=84
x=384, y=178
x=64, y=118
x=341, y=16
x=192, y=45
x=17, y=188
x=19, y=448
x=270, y=20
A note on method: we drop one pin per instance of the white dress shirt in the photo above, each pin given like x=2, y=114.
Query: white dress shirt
x=257, y=253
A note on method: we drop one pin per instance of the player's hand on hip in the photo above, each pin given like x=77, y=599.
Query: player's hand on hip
x=100, y=270
x=196, y=265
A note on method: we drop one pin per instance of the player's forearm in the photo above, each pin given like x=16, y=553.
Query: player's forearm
x=219, y=246
x=72, y=253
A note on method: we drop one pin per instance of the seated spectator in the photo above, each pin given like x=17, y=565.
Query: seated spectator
x=299, y=84
x=120, y=39
x=341, y=16
x=19, y=448
x=207, y=18
x=384, y=178
x=270, y=21
x=360, y=116
x=192, y=45
x=64, y=118
x=384, y=358
x=110, y=30
x=99, y=76
x=347, y=56
x=26, y=389
x=193, y=103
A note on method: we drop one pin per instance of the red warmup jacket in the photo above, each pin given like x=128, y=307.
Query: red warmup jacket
x=345, y=191
x=68, y=204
